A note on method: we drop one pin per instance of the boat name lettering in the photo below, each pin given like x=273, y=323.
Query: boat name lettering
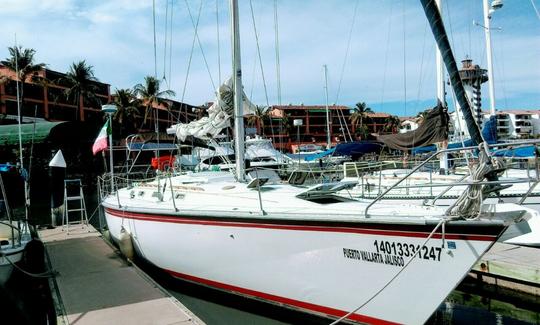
x=373, y=257
x=408, y=250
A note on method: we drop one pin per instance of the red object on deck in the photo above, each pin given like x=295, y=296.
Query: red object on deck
x=162, y=162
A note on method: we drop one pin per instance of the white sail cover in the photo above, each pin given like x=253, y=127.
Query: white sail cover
x=219, y=115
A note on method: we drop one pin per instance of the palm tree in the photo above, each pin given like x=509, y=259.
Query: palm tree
x=258, y=117
x=127, y=111
x=421, y=116
x=360, y=113
x=81, y=85
x=392, y=123
x=285, y=123
x=150, y=95
x=22, y=60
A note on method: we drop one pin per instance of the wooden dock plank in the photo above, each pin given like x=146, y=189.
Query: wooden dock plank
x=97, y=286
x=511, y=266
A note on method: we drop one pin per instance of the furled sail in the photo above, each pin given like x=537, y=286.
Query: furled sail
x=219, y=115
x=433, y=129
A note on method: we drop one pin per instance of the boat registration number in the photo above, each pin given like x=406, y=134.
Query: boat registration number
x=403, y=249
x=393, y=253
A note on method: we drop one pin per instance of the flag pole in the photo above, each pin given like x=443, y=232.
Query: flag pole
x=110, y=110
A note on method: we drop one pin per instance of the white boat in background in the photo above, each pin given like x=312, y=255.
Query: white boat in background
x=307, y=249
x=429, y=188
x=260, y=153
x=13, y=240
x=14, y=235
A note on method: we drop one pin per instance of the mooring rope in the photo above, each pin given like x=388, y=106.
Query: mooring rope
x=46, y=274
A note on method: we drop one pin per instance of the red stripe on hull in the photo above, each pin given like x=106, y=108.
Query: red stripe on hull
x=280, y=300
x=398, y=233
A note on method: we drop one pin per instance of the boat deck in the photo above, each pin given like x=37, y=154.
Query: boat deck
x=96, y=286
x=510, y=266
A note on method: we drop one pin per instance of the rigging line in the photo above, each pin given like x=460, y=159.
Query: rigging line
x=189, y=65
x=469, y=26
x=421, y=68
x=252, y=86
x=443, y=220
x=218, y=42
x=386, y=53
x=260, y=61
x=276, y=41
x=278, y=76
x=200, y=46
x=460, y=128
x=451, y=29
x=170, y=45
x=155, y=46
x=341, y=119
x=501, y=70
x=346, y=52
x=404, y=58
x=259, y=51
x=165, y=40
x=535, y=9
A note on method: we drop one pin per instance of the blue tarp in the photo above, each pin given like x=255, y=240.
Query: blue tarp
x=521, y=152
x=357, y=148
x=319, y=155
x=6, y=167
x=140, y=146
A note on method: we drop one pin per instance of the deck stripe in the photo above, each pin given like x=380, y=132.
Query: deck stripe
x=280, y=300
x=295, y=227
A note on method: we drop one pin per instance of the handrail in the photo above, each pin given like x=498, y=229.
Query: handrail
x=526, y=195
x=401, y=180
x=380, y=196
x=172, y=192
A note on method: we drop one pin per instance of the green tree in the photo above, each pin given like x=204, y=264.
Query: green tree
x=22, y=60
x=258, y=117
x=392, y=123
x=357, y=118
x=150, y=96
x=421, y=116
x=81, y=87
x=286, y=122
x=127, y=112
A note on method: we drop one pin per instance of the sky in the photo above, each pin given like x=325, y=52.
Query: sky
x=389, y=62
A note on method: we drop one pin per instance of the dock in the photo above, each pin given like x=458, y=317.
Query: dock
x=95, y=285
x=510, y=266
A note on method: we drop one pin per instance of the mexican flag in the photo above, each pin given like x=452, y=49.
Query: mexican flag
x=101, y=142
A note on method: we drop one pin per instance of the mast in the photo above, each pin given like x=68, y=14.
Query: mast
x=443, y=159
x=19, y=118
x=237, y=86
x=440, y=68
x=487, y=31
x=328, y=140
x=435, y=21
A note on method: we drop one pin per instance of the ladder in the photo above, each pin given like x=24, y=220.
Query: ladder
x=71, y=195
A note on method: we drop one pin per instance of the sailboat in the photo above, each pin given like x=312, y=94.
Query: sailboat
x=14, y=234
x=305, y=249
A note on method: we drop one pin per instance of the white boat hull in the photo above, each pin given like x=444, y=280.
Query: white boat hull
x=6, y=268
x=326, y=270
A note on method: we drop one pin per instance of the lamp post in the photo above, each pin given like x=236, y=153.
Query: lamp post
x=488, y=10
x=110, y=110
x=298, y=123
